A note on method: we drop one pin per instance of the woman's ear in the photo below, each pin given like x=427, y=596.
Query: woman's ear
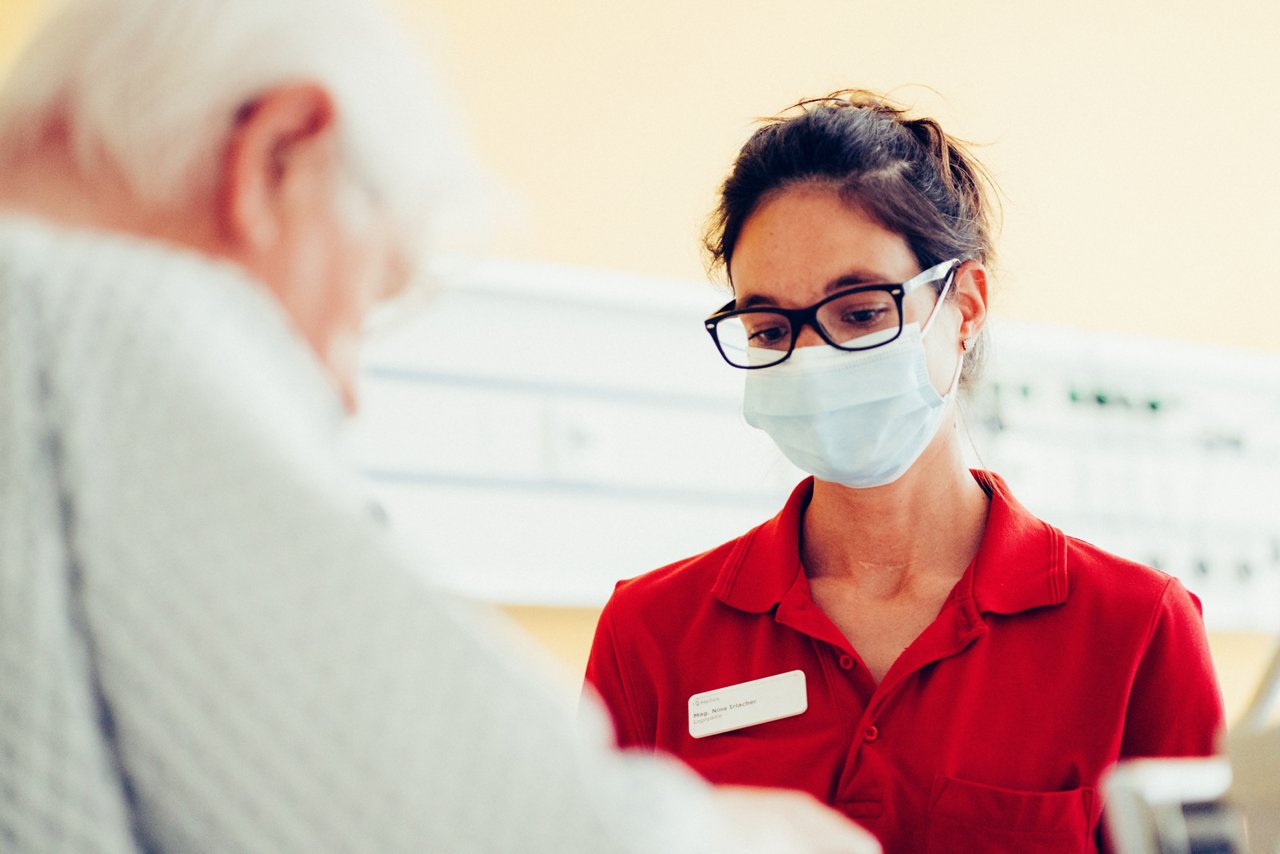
x=281, y=151
x=970, y=289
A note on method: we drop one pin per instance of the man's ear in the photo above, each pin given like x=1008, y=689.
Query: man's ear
x=971, y=297
x=283, y=139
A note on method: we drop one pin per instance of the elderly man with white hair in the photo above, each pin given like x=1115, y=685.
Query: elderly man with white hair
x=205, y=643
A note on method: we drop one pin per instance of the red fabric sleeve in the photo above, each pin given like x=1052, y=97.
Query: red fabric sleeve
x=607, y=675
x=1175, y=708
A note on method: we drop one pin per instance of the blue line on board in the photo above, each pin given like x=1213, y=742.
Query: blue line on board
x=724, y=404
x=576, y=487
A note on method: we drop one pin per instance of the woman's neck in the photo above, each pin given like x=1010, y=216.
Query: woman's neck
x=926, y=524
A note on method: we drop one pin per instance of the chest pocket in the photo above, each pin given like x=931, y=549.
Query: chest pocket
x=978, y=819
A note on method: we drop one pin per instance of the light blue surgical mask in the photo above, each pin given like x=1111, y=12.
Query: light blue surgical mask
x=860, y=419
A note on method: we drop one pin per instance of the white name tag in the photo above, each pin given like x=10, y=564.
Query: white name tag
x=747, y=704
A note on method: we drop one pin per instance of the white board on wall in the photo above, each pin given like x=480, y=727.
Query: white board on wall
x=540, y=432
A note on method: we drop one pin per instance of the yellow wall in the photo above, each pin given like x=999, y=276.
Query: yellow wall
x=16, y=19
x=1135, y=145
x=1135, y=142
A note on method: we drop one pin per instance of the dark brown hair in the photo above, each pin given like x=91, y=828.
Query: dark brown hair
x=907, y=174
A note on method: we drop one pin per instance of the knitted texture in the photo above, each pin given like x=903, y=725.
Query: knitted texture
x=206, y=643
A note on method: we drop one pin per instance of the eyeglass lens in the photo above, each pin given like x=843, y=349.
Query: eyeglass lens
x=854, y=321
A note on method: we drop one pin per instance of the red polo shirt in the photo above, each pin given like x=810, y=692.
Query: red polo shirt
x=1050, y=660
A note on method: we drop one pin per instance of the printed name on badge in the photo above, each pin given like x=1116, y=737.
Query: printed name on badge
x=747, y=704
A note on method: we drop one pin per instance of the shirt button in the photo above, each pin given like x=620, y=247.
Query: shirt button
x=871, y=733
x=846, y=662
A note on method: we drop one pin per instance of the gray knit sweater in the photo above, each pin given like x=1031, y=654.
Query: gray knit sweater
x=205, y=644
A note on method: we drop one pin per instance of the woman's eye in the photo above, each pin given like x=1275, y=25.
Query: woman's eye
x=858, y=313
x=864, y=316
x=766, y=336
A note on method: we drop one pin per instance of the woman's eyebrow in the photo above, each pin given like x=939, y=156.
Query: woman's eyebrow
x=852, y=279
x=755, y=300
x=858, y=277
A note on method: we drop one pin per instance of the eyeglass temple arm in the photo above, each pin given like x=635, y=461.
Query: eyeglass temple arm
x=933, y=274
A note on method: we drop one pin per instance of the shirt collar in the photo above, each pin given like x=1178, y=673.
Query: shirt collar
x=1021, y=563
x=765, y=563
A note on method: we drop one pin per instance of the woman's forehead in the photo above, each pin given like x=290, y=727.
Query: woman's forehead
x=805, y=241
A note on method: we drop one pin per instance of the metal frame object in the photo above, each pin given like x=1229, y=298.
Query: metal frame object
x=1204, y=806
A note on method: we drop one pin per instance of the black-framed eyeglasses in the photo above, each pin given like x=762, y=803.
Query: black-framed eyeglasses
x=858, y=318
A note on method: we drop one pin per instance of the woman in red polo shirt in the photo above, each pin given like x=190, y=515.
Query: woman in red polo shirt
x=904, y=640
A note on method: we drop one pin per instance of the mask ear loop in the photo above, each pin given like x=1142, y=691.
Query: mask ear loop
x=954, y=385
x=955, y=377
x=966, y=345
x=928, y=322
x=942, y=297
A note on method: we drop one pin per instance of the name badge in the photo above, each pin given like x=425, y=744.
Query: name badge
x=747, y=704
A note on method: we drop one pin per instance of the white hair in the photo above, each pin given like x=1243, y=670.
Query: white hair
x=152, y=87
